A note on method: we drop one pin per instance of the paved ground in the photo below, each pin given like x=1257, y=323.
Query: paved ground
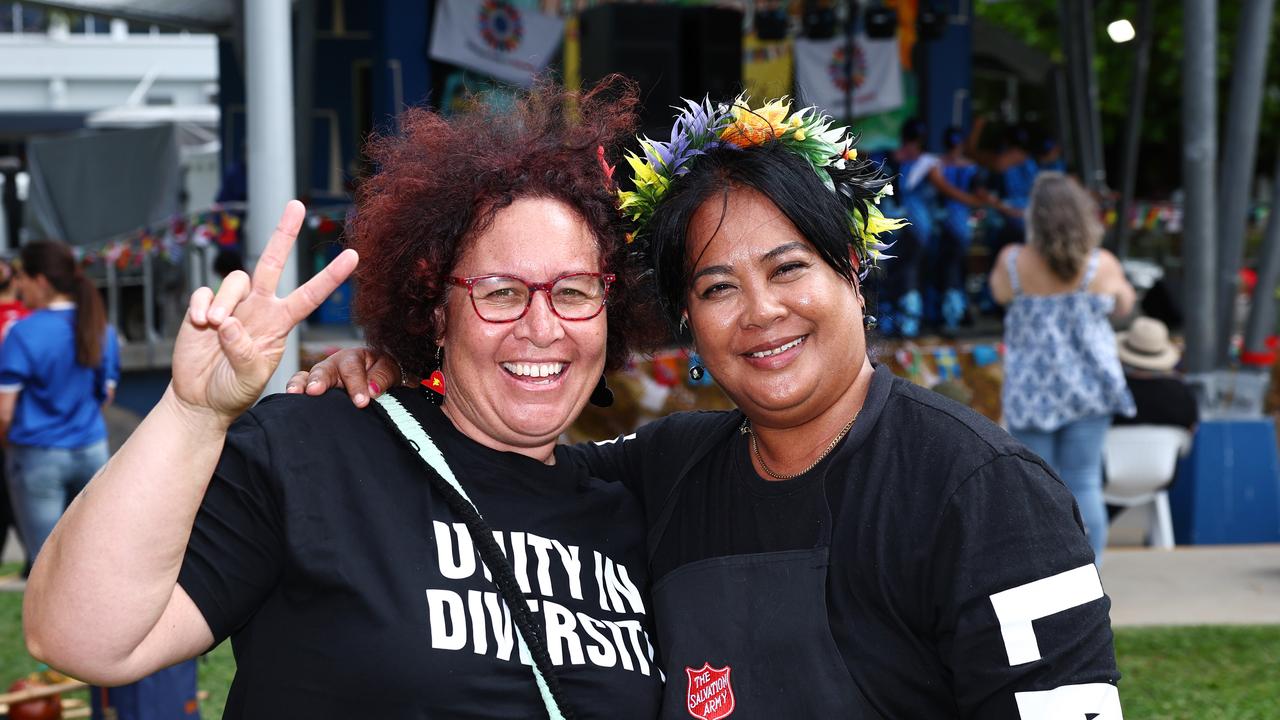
x=1194, y=585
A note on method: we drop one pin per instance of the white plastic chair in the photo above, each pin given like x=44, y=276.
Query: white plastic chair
x=1140, y=461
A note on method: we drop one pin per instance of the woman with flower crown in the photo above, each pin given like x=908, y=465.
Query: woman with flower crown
x=845, y=544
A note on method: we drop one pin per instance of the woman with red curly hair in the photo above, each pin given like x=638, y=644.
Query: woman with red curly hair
x=355, y=573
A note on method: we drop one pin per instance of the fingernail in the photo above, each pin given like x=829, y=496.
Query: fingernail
x=361, y=399
x=291, y=387
x=373, y=387
x=231, y=332
x=217, y=314
x=312, y=382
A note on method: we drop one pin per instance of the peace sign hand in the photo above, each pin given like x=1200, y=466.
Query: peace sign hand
x=231, y=343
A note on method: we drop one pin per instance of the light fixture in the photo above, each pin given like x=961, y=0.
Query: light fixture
x=1121, y=31
x=881, y=23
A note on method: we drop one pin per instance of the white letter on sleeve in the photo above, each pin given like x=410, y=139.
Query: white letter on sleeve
x=1017, y=607
x=1101, y=701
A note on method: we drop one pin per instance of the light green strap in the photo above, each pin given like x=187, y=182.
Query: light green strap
x=412, y=431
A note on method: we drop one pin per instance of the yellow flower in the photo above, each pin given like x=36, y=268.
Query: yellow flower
x=644, y=172
x=799, y=135
x=753, y=127
x=878, y=224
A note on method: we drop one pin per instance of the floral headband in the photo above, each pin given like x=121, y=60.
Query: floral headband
x=807, y=132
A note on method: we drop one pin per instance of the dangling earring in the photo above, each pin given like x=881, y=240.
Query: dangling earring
x=602, y=396
x=696, y=372
x=869, y=322
x=434, y=384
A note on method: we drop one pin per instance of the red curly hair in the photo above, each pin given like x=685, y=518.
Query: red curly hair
x=439, y=183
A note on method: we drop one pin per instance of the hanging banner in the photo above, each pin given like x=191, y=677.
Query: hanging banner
x=495, y=37
x=766, y=67
x=822, y=75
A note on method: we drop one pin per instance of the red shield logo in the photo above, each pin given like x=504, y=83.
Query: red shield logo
x=710, y=694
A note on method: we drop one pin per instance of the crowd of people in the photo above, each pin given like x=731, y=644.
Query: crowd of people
x=953, y=199
x=428, y=547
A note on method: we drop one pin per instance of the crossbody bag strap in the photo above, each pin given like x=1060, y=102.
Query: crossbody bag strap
x=412, y=430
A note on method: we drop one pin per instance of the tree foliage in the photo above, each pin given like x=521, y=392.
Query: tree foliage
x=1038, y=23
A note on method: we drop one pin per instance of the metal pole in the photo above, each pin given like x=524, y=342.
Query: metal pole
x=269, y=80
x=304, y=58
x=1199, y=153
x=1133, y=127
x=1093, y=111
x=1072, y=50
x=1240, y=144
x=851, y=11
x=1262, y=311
x=1062, y=115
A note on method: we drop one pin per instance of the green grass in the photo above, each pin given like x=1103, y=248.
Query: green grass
x=1206, y=673
x=215, y=669
x=1186, y=673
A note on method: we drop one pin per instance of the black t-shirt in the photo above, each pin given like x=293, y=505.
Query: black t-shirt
x=933, y=510
x=1160, y=400
x=350, y=590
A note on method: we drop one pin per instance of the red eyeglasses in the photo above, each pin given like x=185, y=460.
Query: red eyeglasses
x=506, y=298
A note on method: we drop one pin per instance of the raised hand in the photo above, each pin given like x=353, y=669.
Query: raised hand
x=231, y=343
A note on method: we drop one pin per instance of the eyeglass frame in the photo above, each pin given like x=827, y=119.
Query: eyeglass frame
x=470, y=283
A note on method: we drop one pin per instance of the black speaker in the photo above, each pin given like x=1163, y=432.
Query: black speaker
x=711, y=53
x=641, y=42
x=932, y=21
x=881, y=23
x=819, y=20
x=671, y=51
x=772, y=23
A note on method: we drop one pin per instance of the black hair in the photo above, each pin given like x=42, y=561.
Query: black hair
x=952, y=137
x=1017, y=136
x=788, y=181
x=913, y=130
x=57, y=263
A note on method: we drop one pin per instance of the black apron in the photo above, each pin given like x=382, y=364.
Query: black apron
x=748, y=635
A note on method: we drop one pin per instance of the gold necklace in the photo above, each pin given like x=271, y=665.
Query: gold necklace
x=755, y=448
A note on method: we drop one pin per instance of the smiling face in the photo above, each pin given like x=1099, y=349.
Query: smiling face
x=779, y=329
x=518, y=385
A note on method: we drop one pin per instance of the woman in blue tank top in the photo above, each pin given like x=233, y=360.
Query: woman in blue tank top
x=1063, y=379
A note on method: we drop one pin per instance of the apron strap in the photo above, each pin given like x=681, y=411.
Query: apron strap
x=417, y=437
x=659, y=527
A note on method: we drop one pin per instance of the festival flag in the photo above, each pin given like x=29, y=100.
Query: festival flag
x=495, y=37
x=822, y=75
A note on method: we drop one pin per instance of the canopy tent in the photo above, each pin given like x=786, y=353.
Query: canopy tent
x=198, y=15
x=265, y=26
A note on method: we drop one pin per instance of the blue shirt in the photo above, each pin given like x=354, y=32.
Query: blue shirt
x=916, y=195
x=59, y=400
x=955, y=213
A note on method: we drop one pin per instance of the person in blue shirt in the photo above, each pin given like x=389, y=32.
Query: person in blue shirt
x=58, y=368
x=962, y=195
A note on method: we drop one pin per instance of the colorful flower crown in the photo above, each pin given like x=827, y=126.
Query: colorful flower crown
x=807, y=133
